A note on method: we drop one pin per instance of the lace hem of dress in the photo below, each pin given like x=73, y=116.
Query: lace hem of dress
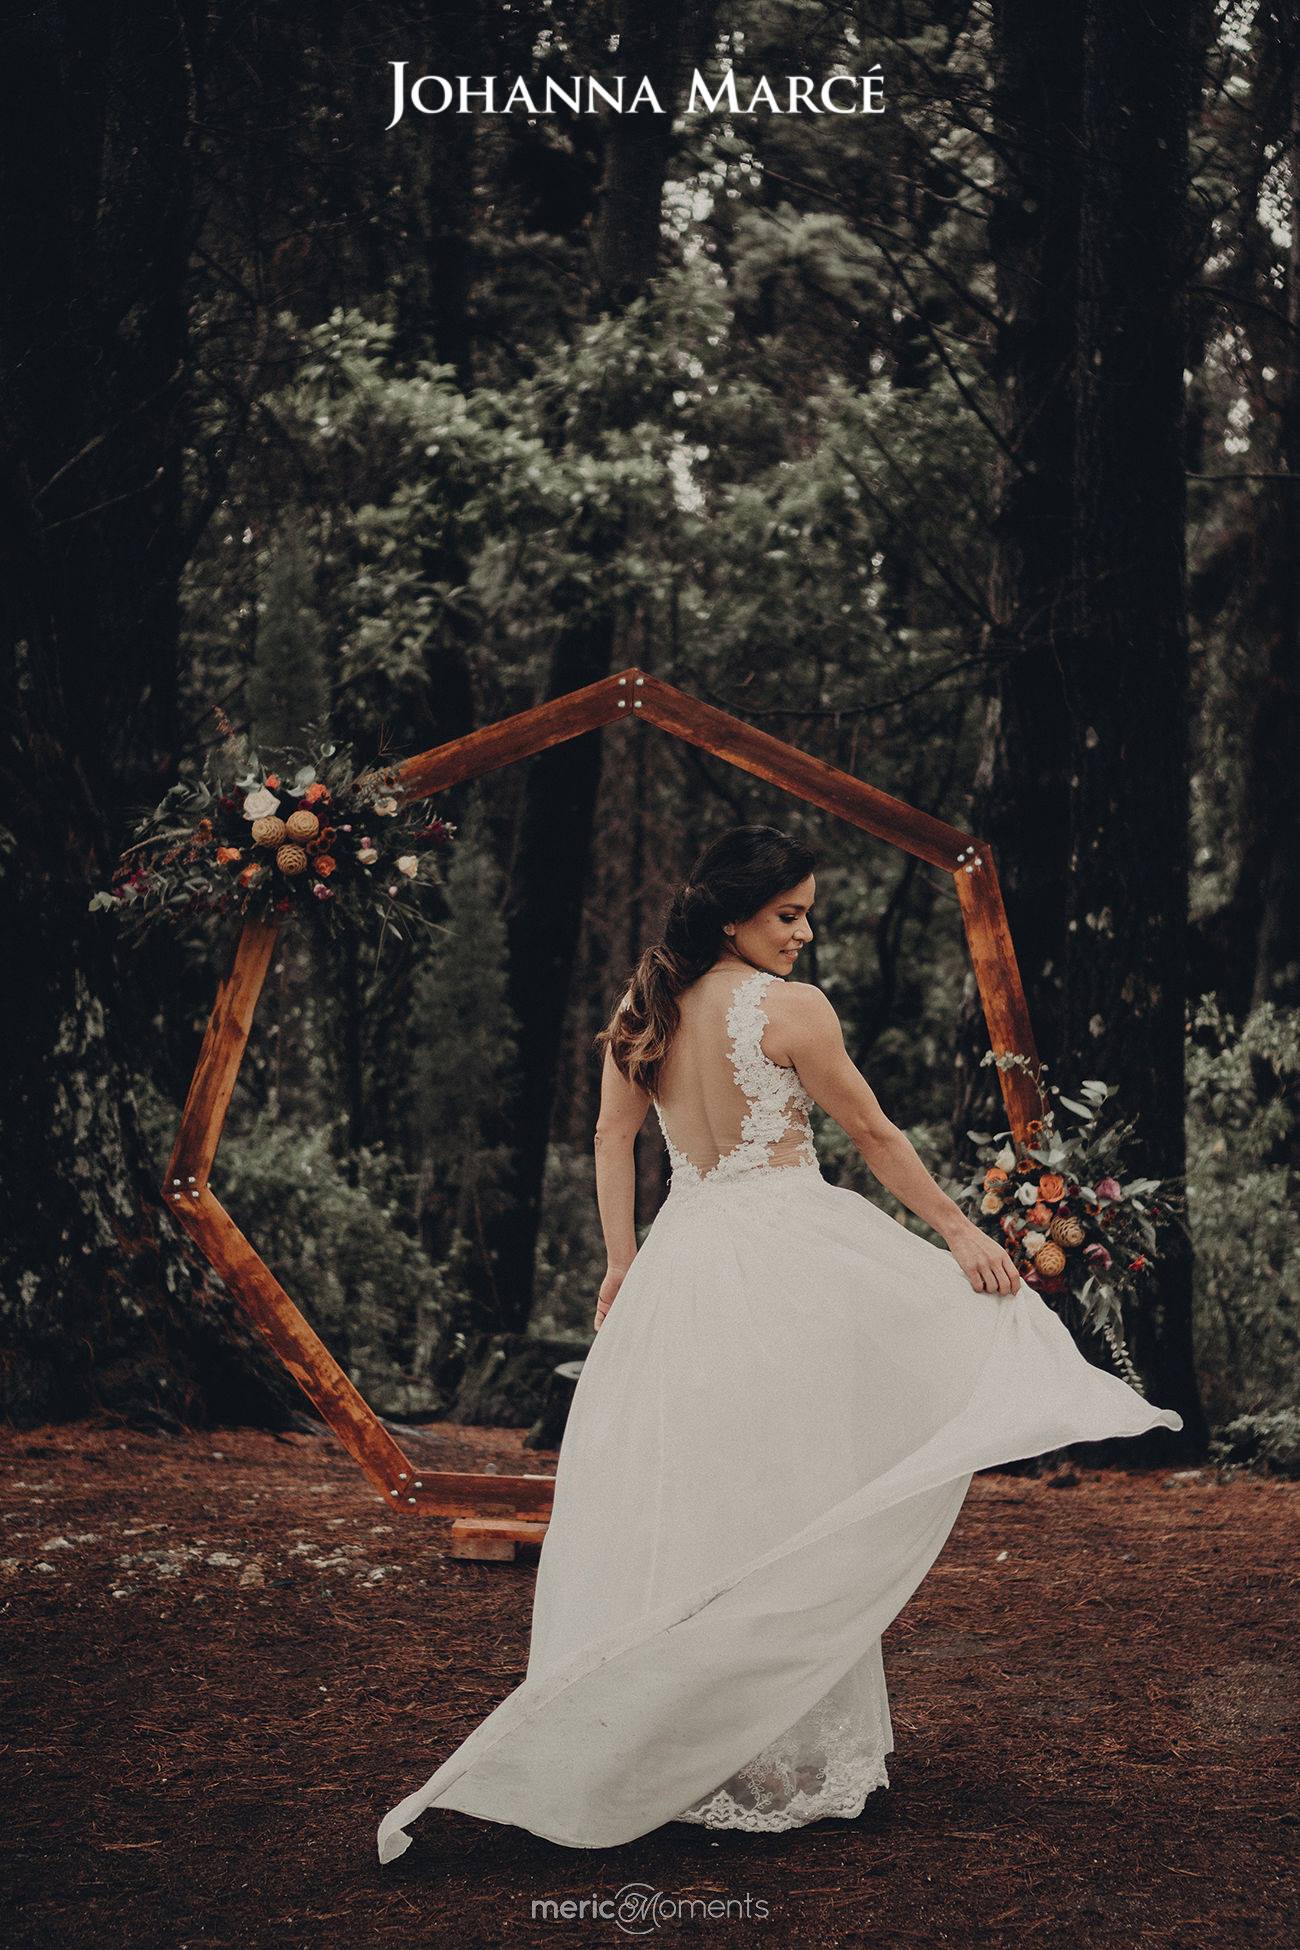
x=842, y=1792
x=827, y=1763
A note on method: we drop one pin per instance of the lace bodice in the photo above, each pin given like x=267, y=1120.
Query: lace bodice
x=777, y=1102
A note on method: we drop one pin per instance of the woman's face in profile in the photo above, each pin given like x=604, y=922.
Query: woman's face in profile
x=774, y=936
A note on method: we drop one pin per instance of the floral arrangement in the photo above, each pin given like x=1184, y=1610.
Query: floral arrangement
x=1059, y=1203
x=304, y=835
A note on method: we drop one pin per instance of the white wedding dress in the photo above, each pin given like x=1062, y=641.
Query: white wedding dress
x=768, y=1445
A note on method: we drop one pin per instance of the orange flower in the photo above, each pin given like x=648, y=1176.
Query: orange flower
x=1026, y=1164
x=203, y=831
x=990, y=1202
x=994, y=1176
x=225, y=854
x=1051, y=1188
x=272, y=781
x=1038, y=1215
x=315, y=793
x=250, y=874
x=324, y=865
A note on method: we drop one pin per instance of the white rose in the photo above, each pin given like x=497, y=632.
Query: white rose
x=1033, y=1240
x=367, y=856
x=1027, y=1194
x=260, y=804
x=385, y=805
x=409, y=864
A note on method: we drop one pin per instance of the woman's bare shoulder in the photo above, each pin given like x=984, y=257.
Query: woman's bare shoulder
x=796, y=1013
x=800, y=1002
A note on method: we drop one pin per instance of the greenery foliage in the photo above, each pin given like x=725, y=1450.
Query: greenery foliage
x=1244, y=1192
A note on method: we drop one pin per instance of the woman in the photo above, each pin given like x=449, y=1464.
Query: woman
x=778, y=1420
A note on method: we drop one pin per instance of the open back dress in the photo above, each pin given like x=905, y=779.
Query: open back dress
x=768, y=1445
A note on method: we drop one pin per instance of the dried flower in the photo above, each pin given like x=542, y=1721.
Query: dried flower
x=323, y=864
x=386, y=806
x=225, y=854
x=409, y=864
x=367, y=856
x=302, y=825
x=1051, y=1188
x=315, y=793
x=1109, y=1188
x=990, y=1202
x=322, y=892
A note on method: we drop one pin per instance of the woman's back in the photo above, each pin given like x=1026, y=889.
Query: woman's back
x=724, y=1105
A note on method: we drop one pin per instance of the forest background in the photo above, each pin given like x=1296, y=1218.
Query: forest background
x=957, y=445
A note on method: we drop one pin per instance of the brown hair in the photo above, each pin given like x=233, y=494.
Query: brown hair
x=735, y=875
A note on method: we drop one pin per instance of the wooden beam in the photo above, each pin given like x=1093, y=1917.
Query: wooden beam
x=303, y=1353
x=997, y=976
x=415, y=1492
x=495, y=745
x=798, y=773
x=476, y=1493
x=220, y=1057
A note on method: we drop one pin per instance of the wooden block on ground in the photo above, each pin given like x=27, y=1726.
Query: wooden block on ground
x=493, y=1539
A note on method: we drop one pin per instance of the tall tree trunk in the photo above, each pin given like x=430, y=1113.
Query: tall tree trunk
x=555, y=836
x=1265, y=911
x=1127, y=676
x=98, y=1292
x=1022, y=788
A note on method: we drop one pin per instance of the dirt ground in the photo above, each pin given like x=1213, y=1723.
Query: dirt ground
x=225, y=1658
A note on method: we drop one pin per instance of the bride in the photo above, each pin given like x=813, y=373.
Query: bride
x=778, y=1420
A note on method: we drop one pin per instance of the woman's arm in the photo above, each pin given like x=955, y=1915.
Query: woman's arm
x=807, y=1031
x=623, y=1106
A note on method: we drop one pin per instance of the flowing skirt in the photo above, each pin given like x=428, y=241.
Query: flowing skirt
x=768, y=1445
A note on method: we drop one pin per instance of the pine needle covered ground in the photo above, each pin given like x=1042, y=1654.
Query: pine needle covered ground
x=224, y=1659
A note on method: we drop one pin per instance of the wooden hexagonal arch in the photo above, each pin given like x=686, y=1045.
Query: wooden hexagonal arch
x=187, y=1189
